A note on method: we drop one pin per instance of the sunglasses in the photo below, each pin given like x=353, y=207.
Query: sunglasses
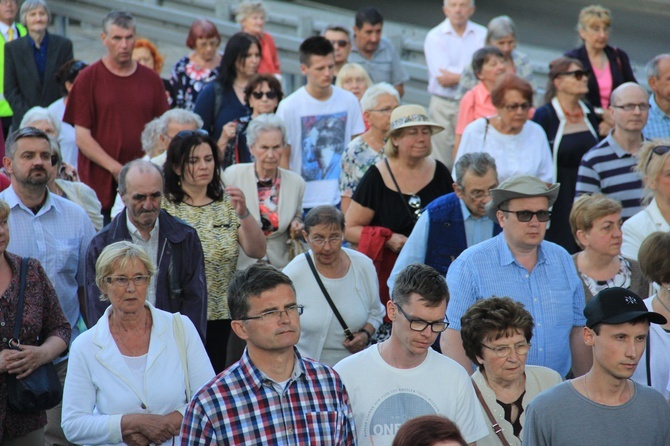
x=526, y=216
x=415, y=203
x=268, y=94
x=341, y=43
x=578, y=74
x=189, y=133
x=658, y=150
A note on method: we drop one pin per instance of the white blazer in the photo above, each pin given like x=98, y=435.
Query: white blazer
x=639, y=227
x=99, y=391
x=289, y=207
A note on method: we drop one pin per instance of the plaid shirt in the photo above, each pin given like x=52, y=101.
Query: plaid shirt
x=242, y=406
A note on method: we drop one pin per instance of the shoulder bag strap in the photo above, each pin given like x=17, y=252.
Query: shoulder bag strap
x=486, y=129
x=496, y=427
x=648, y=359
x=178, y=328
x=347, y=332
x=402, y=197
x=16, y=339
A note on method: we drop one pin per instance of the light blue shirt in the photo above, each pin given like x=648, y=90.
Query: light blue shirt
x=58, y=236
x=552, y=293
x=476, y=230
x=658, y=123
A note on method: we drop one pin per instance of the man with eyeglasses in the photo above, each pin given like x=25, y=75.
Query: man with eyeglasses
x=609, y=167
x=455, y=221
x=520, y=264
x=340, y=37
x=402, y=377
x=273, y=395
x=51, y=229
x=174, y=247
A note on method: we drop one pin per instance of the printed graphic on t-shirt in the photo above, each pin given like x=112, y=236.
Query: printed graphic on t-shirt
x=391, y=412
x=323, y=142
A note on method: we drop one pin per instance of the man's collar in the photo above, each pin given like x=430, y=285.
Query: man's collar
x=13, y=200
x=656, y=109
x=447, y=28
x=257, y=378
x=132, y=229
x=467, y=214
x=506, y=256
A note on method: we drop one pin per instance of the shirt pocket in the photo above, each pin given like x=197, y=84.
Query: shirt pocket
x=323, y=428
x=558, y=308
x=66, y=257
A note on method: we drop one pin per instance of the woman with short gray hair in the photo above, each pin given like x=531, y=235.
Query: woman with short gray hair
x=32, y=61
x=251, y=15
x=367, y=149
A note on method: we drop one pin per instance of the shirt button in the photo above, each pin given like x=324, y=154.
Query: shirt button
x=290, y=430
x=527, y=276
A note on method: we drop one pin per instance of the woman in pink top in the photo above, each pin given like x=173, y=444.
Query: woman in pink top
x=488, y=64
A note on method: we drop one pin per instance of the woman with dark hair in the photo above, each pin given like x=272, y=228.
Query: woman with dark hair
x=201, y=66
x=194, y=193
x=571, y=126
x=519, y=146
x=610, y=65
x=496, y=334
x=221, y=103
x=429, y=430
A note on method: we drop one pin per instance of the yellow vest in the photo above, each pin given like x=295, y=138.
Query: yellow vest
x=5, y=109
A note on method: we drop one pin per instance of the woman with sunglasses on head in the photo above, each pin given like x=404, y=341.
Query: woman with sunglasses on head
x=221, y=103
x=194, y=192
x=391, y=195
x=571, y=126
x=496, y=334
x=350, y=280
x=518, y=145
x=610, y=65
x=654, y=167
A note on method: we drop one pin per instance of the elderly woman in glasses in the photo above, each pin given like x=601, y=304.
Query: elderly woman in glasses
x=571, y=126
x=350, y=280
x=518, y=145
x=363, y=151
x=496, y=334
x=393, y=192
x=654, y=167
x=131, y=375
x=595, y=221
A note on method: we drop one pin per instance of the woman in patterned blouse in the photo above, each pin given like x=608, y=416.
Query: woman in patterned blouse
x=194, y=192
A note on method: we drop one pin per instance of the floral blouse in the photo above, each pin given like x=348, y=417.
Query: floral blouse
x=268, y=202
x=187, y=81
x=356, y=160
x=42, y=318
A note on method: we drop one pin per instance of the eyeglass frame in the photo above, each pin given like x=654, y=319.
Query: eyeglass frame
x=340, y=42
x=577, y=74
x=643, y=106
x=484, y=193
x=116, y=281
x=532, y=214
x=267, y=94
x=266, y=314
x=524, y=106
x=445, y=321
x=497, y=350
x=322, y=242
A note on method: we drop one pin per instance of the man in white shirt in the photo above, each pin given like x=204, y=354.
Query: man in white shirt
x=449, y=48
x=402, y=377
x=320, y=121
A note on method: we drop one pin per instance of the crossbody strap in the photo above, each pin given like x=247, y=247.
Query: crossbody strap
x=347, y=332
x=648, y=359
x=496, y=427
x=16, y=339
x=180, y=338
x=402, y=197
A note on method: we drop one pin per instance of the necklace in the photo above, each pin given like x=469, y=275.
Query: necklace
x=574, y=117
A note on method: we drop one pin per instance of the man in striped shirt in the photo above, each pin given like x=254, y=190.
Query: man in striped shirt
x=609, y=166
x=272, y=395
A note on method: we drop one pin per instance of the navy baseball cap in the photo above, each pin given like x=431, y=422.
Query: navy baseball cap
x=618, y=305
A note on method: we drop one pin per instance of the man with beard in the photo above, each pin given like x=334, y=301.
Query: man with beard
x=174, y=247
x=49, y=228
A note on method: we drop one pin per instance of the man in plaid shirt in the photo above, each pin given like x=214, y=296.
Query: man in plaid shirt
x=272, y=395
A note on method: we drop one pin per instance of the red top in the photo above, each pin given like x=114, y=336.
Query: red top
x=269, y=59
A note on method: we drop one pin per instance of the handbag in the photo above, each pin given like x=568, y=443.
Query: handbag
x=347, y=332
x=496, y=427
x=41, y=390
x=180, y=338
x=295, y=247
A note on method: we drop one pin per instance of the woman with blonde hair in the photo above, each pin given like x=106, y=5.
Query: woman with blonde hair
x=353, y=77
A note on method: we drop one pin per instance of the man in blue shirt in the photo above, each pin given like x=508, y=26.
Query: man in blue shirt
x=455, y=221
x=658, y=77
x=520, y=264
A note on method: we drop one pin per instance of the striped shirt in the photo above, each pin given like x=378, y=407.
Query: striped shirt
x=242, y=406
x=552, y=292
x=609, y=169
x=658, y=123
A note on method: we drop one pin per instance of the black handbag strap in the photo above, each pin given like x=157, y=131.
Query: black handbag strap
x=19, y=307
x=402, y=197
x=347, y=332
x=648, y=360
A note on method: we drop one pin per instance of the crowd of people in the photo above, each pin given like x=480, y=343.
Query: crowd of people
x=205, y=259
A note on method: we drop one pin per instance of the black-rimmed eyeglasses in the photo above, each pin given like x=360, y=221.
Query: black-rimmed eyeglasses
x=421, y=325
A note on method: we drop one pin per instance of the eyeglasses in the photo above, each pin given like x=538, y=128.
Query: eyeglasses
x=320, y=241
x=189, y=133
x=275, y=315
x=658, y=150
x=122, y=281
x=514, y=107
x=578, y=74
x=268, y=94
x=477, y=194
x=415, y=203
x=630, y=107
x=385, y=111
x=526, y=216
x=341, y=43
x=503, y=351
x=420, y=324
